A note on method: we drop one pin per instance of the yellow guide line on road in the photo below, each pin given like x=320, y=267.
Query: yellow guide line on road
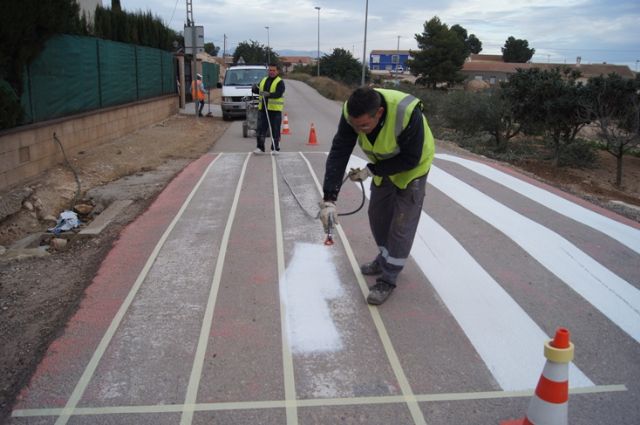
x=198, y=362
x=320, y=402
x=287, y=358
x=83, y=382
x=394, y=361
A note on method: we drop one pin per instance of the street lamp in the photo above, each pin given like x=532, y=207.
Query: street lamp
x=268, y=48
x=364, y=52
x=318, y=60
x=398, y=55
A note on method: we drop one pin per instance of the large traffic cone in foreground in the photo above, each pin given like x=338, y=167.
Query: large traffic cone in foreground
x=550, y=403
x=285, y=125
x=312, y=136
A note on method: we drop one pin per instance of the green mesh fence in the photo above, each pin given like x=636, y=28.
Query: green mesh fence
x=117, y=73
x=75, y=74
x=210, y=74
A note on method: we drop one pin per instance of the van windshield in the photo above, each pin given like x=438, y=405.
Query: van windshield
x=244, y=77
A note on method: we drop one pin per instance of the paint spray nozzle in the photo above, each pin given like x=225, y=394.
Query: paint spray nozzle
x=329, y=239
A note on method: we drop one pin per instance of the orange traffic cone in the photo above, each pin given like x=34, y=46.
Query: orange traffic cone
x=550, y=403
x=285, y=125
x=312, y=136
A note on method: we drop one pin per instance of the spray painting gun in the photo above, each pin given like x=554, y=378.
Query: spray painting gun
x=328, y=213
x=329, y=231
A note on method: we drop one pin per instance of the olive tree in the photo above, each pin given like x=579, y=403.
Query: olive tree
x=613, y=104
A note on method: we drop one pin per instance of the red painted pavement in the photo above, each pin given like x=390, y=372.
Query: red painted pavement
x=68, y=356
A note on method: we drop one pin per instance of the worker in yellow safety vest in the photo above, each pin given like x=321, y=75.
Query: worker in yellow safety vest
x=271, y=91
x=393, y=133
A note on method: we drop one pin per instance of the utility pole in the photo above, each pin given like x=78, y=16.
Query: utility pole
x=398, y=54
x=318, y=57
x=224, y=49
x=364, y=52
x=268, y=47
x=191, y=23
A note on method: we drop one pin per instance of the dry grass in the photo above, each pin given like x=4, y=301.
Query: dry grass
x=325, y=86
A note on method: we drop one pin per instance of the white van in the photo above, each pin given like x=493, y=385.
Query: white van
x=237, y=85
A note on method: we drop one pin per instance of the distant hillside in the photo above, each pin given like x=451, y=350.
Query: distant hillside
x=309, y=53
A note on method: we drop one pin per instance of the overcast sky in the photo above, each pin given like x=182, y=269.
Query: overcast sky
x=559, y=30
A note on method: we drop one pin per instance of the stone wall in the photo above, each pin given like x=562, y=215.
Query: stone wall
x=27, y=151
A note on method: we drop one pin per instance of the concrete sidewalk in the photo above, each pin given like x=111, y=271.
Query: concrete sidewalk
x=189, y=109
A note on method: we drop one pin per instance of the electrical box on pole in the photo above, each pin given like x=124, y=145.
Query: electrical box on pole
x=193, y=37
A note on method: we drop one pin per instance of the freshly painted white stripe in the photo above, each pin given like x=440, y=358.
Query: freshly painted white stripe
x=310, y=284
x=394, y=361
x=83, y=382
x=512, y=349
x=207, y=320
x=287, y=358
x=613, y=296
x=624, y=234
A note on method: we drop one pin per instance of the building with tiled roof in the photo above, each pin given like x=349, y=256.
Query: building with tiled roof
x=289, y=63
x=487, y=68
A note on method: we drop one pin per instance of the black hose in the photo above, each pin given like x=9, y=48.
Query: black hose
x=361, y=203
x=73, y=170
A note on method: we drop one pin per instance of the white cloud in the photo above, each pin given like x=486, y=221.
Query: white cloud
x=591, y=28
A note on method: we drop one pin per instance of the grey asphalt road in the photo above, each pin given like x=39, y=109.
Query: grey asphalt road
x=221, y=304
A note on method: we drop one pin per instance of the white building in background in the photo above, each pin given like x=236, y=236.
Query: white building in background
x=88, y=7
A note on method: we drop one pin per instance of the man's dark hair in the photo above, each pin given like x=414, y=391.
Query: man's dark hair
x=363, y=100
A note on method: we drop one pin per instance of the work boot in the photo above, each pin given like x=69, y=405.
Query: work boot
x=380, y=292
x=371, y=269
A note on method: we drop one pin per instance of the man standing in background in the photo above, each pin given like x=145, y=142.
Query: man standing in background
x=197, y=94
x=271, y=91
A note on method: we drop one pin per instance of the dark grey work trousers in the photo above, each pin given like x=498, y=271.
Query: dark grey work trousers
x=275, y=118
x=393, y=216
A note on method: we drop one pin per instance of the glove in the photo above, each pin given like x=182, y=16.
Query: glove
x=328, y=214
x=359, y=174
x=265, y=94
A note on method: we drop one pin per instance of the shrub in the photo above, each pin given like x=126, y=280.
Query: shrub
x=465, y=112
x=578, y=154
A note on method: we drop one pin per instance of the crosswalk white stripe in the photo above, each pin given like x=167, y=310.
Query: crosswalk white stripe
x=512, y=350
x=624, y=234
x=613, y=296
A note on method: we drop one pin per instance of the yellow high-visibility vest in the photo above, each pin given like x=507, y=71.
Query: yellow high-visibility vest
x=400, y=106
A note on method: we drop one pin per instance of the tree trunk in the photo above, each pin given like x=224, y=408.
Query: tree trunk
x=619, y=169
x=556, y=145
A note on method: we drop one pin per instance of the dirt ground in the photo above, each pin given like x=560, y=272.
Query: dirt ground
x=38, y=294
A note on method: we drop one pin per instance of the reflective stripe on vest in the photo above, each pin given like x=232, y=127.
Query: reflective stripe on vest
x=400, y=106
x=274, y=103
